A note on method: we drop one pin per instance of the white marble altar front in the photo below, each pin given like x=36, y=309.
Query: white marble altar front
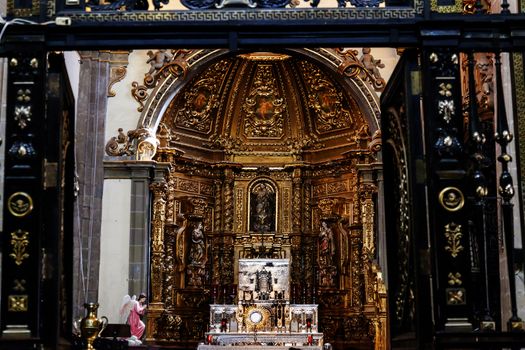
x=263, y=316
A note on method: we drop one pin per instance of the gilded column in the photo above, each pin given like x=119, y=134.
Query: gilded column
x=169, y=274
x=156, y=305
x=171, y=212
x=228, y=200
x=218, y=206
x=170, y=239
x=216, y=239
x=310, y=242
x=367, y=191
x=157, y=239
x=297, y=200
x=227, y=268
x=297, y=244
x=367, y=216
x=307, y=207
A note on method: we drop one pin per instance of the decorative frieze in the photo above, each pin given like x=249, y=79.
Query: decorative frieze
x=188, y=186
x=337, y=187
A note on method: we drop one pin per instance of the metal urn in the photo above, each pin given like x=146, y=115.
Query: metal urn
x=91, y=326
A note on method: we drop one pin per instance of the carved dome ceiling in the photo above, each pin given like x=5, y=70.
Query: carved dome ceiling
x=265, y=108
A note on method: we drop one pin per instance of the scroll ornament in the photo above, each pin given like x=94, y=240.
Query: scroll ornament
x=163, y=63
x=365, y=67
x=141, y=143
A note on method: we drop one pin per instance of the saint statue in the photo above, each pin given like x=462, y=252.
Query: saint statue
x=197, y=258
x=262, y=208
x=327, y=269
x=326, y=245
x=198, y=248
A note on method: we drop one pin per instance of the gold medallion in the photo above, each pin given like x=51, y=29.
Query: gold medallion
x=20, y=204
x=451, y=199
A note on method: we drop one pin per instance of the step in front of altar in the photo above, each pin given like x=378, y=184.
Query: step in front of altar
x=261, y=347
x=276, y=340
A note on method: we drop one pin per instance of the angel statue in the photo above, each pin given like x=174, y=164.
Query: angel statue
x=130, y=313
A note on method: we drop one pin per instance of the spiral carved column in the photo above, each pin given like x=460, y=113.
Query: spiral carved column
x=228, y=205
x=228, y=200
x=216, y=239
x=297, y=258
x=297, y=200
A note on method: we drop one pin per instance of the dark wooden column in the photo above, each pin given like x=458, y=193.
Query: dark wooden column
x=21, y=251
x=447, y=199
x=33, y=233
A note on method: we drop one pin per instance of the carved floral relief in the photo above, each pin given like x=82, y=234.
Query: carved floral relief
x=201, y=100
x=326, y=100
x=264, y=106
x=338, y=187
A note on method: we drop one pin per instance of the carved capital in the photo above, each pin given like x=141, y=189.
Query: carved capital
x=159, y=189
x=367, y=190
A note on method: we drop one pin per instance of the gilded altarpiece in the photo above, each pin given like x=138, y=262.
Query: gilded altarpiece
x=244, y=182
x=321, y=219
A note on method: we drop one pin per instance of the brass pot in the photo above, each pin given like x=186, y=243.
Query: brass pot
x=91, y=326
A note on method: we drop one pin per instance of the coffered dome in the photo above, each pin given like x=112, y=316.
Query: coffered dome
x=265, y=108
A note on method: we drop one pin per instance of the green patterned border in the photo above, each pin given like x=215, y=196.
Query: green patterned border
x=456, y=8
x=285, y=15
x=14, y=11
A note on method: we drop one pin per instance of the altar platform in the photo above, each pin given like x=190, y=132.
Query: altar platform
x=266, y=340
x=261, y=347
